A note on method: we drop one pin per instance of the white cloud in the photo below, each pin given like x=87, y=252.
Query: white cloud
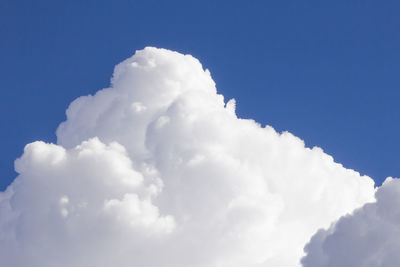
x=158, y=171
x=368, y=238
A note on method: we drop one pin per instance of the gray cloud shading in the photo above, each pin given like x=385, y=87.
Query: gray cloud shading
x=368, y=238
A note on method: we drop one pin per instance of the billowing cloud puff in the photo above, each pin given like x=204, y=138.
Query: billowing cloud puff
x=158, y=170
x=368, y=238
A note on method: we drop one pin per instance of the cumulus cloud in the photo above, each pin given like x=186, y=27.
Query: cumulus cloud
x=368, y=238
x=158, y=170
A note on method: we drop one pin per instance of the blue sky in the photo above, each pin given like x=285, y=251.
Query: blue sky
x=327, y=72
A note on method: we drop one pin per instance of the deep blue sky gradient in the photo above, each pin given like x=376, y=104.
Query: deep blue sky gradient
x=327, y=71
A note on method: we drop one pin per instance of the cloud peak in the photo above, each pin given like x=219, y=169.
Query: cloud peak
x=159, y=170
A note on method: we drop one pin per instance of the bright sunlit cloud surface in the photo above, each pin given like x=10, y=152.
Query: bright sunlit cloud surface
x=158, y=170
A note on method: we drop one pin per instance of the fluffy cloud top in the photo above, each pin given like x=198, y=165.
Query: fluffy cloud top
x=158, y=170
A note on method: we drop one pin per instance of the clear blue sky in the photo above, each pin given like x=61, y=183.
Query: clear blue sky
x=327, y=71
